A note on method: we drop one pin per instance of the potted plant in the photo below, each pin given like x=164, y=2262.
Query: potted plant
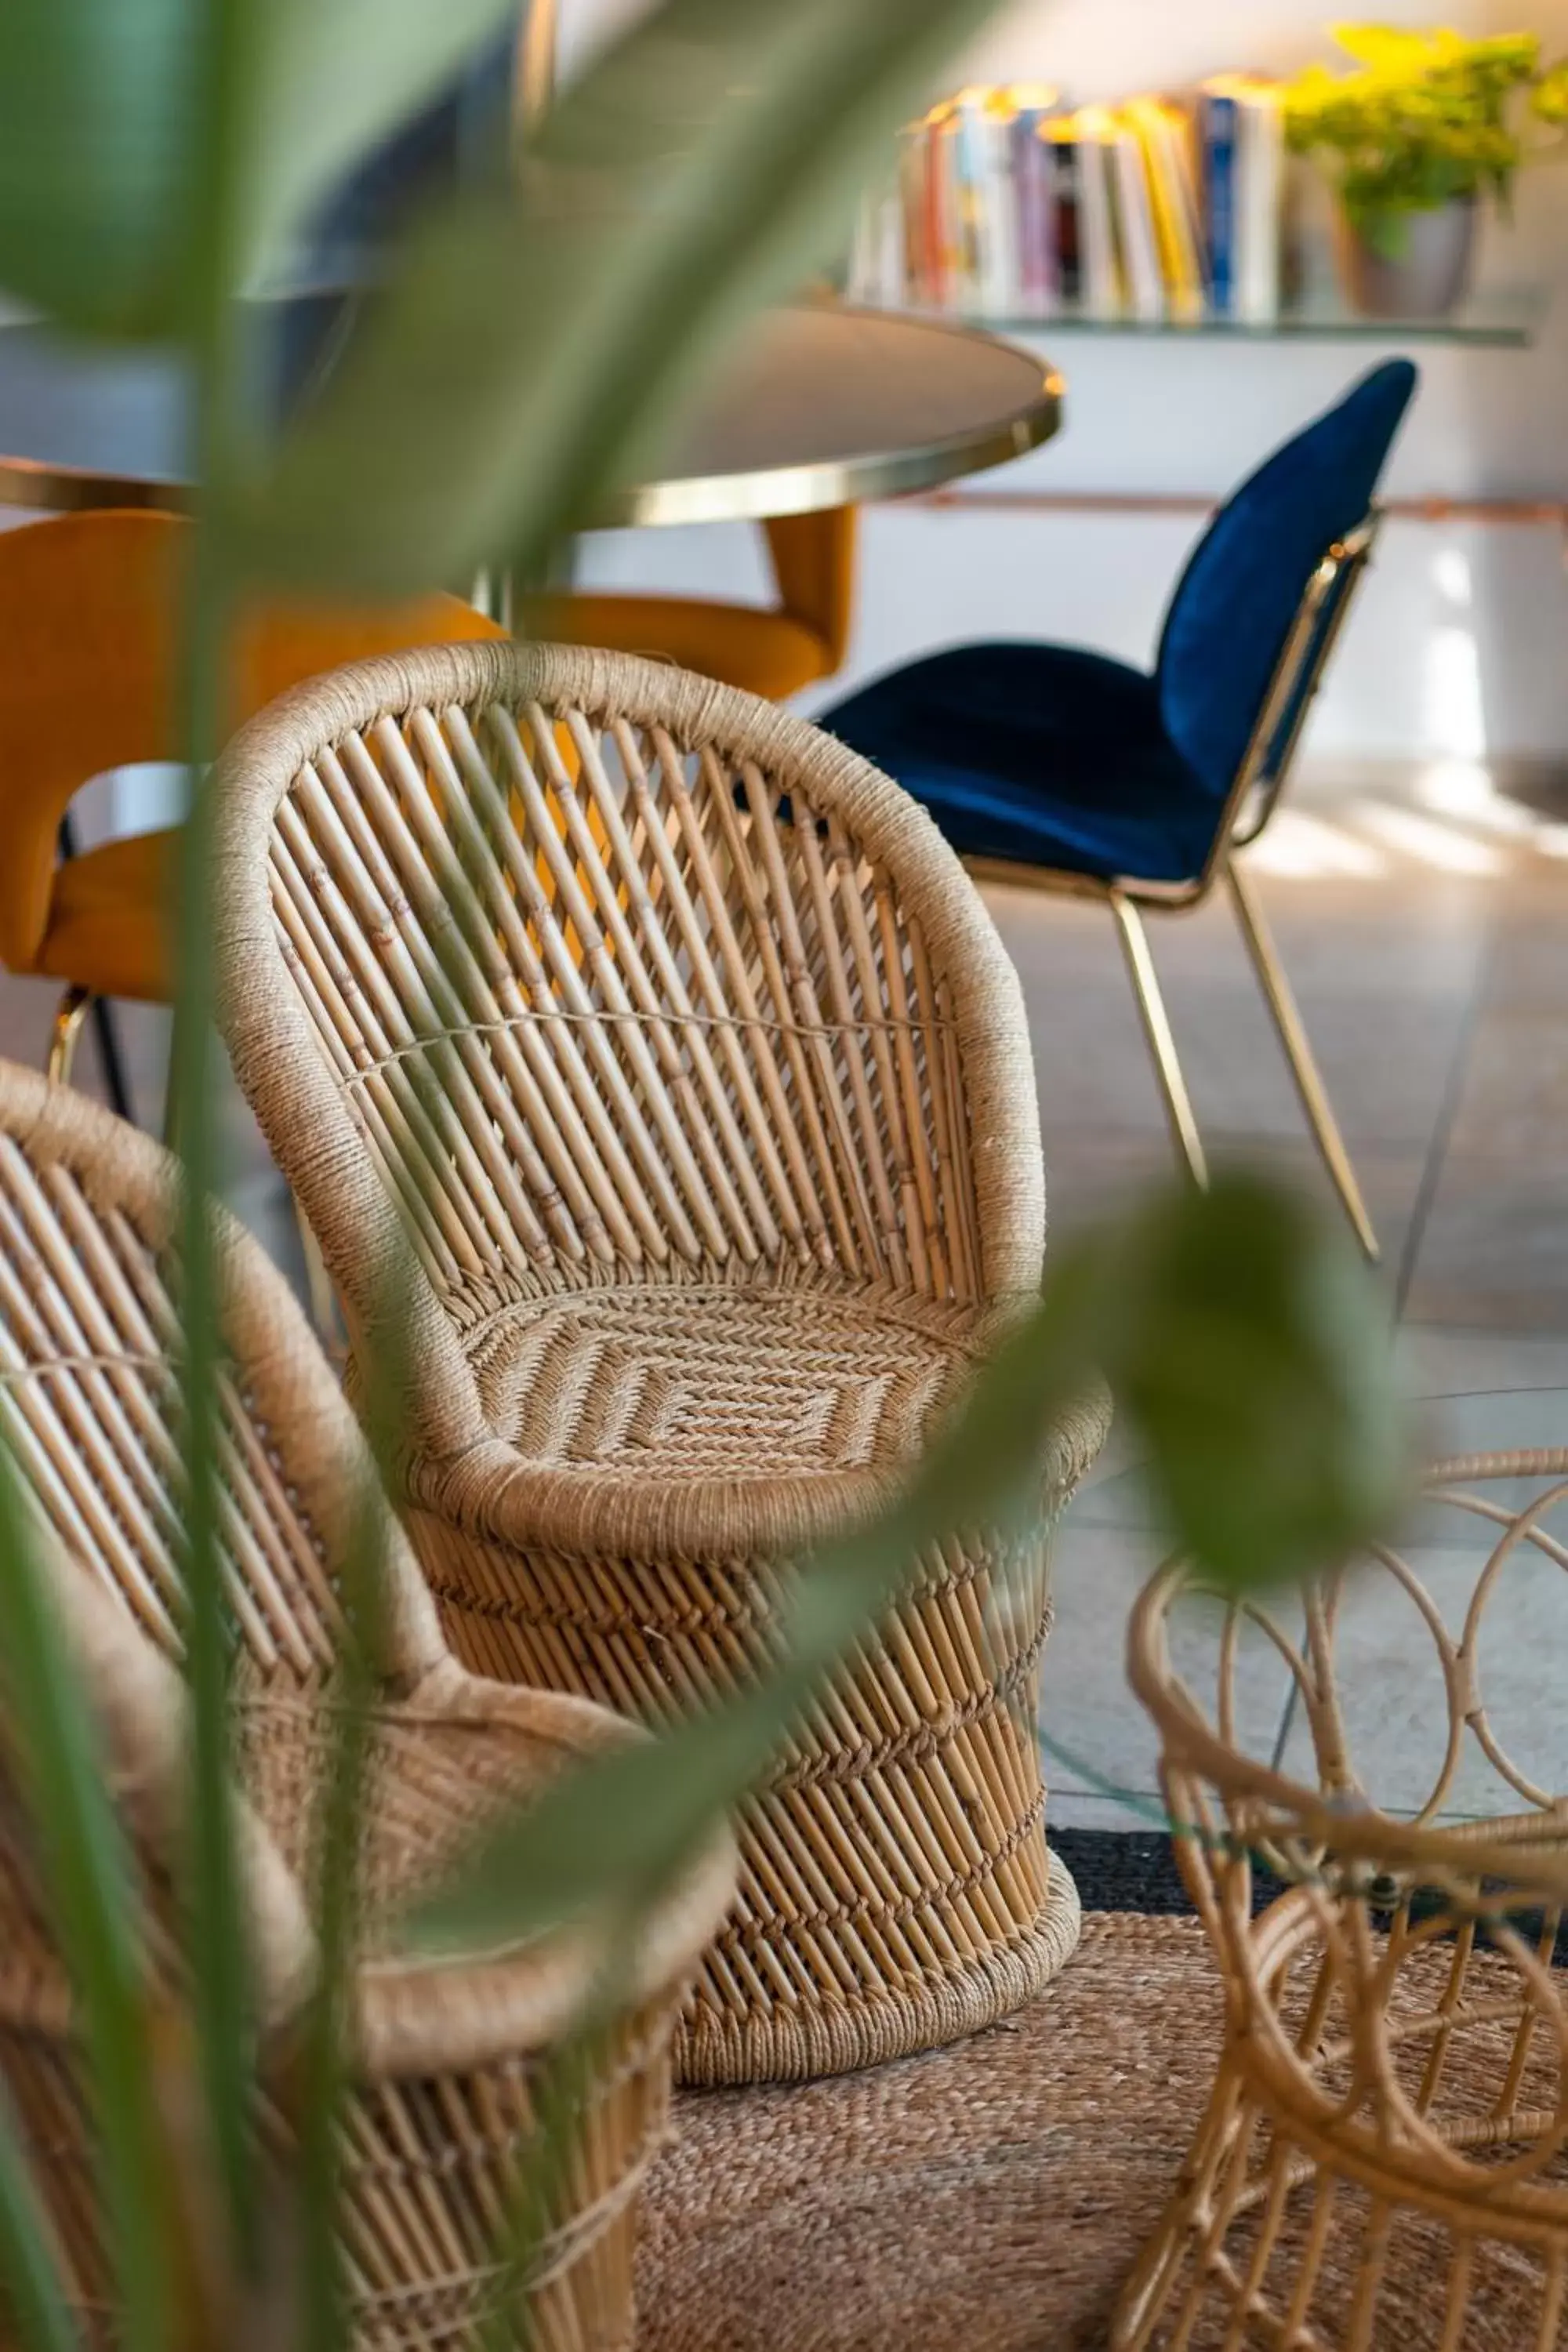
x=1422, y=127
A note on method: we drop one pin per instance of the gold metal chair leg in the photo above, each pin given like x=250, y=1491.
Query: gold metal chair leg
x=1161, y=1044
x=69, y=1014
x=1304, y=1069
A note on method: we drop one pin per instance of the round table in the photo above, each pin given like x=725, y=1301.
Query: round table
x=819, y=406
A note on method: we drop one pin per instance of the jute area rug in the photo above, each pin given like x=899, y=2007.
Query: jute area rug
x=989, y=2198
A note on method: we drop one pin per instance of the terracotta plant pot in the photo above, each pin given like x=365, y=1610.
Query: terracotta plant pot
x=1426, y=280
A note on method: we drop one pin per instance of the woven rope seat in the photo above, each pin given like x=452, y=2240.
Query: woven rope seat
x=1384, y=2158
x=445, y=2052
x=675, y=1042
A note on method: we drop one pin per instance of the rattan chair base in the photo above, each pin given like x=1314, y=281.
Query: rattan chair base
x=895, y=1891
x=822, y=2039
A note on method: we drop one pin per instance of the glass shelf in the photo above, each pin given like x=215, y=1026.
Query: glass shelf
x=1499, y=318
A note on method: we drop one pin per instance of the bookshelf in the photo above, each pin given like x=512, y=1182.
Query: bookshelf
x=1500, y=319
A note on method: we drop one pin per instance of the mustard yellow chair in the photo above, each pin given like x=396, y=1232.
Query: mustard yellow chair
x=771, y=650
x=89, y=613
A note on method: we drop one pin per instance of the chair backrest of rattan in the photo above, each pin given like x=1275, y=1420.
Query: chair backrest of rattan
x=91, y=1406
x=605, y=970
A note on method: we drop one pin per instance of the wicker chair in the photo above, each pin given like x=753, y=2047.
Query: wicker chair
x=445, y=2053
x=676, y=1039
x=1382, y=2161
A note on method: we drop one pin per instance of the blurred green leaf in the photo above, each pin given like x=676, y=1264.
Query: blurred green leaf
x=331, y=78
x=222, y=1986
x=339, y=1804
x=96, y=105
x=1245, y=1338
x=93, y=1906
x=526, y=344
x=30, y=2291
x=560, y=2094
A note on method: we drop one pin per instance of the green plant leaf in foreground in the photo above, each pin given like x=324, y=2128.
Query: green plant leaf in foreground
x=525, y=345
x=1252, y=1351
x=33, y=2298
x=56, y=1753
x=1248, y=1348
x=330, y=77
x=96, y=101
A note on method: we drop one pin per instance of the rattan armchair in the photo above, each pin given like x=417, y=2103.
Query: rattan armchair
x=677, y=1043
x=446, y=2052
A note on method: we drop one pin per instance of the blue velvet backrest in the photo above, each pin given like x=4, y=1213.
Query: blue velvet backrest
x=1234, y=606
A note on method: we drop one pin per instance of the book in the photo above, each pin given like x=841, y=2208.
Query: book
x=1001, y=279
x=1033, y=107
x=947, y=226
x=1161, y=135
x=1219, y=131
x=970, y=163
x=1063, y=206
x=1137, y=246
x=1260, y=201
x=1099, y=274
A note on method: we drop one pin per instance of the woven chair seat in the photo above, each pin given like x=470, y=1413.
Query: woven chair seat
x=660, y=1096
x=682, y=1382
x=433, y=1778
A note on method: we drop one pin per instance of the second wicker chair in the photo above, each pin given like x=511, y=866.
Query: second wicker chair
x=447, y=2053
x=675, y=1041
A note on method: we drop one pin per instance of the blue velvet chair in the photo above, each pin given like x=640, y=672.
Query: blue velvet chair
x=1057, y=765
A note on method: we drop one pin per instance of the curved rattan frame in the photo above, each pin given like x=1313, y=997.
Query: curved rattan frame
x=1380, y=2157
x=750, y=941
x=88, y=1392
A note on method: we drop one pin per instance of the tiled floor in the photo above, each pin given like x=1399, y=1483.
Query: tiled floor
x=1431, y=961
x=1430, y=954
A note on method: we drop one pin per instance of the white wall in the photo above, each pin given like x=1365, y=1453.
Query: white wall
x=1459, y=646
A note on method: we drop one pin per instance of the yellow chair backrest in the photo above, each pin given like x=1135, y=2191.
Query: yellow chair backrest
x=88, y=678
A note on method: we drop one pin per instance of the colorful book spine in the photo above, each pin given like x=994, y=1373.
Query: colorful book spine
x=1260, y=206
x=1100, y=272
x=1037, y=278
x=1033, y=108
x=1173, y=230
x=1065, y=213
x=1138, y=245
x=913, y=198
x=1220, y=130
x=971, y=163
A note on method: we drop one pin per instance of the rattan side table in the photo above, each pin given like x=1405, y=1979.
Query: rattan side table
x=1384, y=2157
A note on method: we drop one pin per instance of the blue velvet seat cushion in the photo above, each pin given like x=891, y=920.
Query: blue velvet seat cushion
x=1048, y=755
